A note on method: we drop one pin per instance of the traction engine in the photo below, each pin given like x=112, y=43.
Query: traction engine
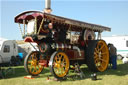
x=62, y=42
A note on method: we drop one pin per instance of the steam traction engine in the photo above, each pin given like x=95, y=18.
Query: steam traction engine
x=62, y=42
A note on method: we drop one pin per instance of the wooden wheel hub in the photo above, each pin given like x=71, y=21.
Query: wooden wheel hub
x=34, y=62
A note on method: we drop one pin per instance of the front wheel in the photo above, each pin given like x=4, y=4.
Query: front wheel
x=31, y=63
x=59, y=65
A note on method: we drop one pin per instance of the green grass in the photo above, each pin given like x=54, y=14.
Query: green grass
x=109, y=77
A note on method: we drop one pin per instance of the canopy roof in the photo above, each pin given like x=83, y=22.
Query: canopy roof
x=32, y=14
x=28, y=16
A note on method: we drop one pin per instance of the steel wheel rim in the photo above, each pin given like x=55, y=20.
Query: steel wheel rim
x=101, y=56
x=61, y=64
x=33, y=64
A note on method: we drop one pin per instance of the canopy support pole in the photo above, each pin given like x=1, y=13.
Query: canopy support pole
x=35, y=25
x=21, y=30
x=24, y=26
x=99, y=35
x=41, y=25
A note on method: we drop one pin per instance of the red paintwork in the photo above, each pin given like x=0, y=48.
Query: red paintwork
x=74, y=55
x=44, y=63
x=28, y=16
x=82, y=43
x=28, y=39
x=71, y=54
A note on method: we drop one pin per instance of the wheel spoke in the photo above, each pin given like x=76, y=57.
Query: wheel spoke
x=32, y=56
x=38, y=67
x=103, y=60
x=63, y=60
x=60, y=56
x=98, y=64
x=101, y=66
x=104, y=53
x=35, y=68
x=56, y=70
x=29, y=62
x=95, y=55
x=96, y=50
x=56, y=59
x=33, y=71
x=98, y=45
x=62, y=70
x=30, y=68
x=101, y=47
x=96, y=60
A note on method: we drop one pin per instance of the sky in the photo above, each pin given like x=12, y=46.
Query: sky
x=110, y=13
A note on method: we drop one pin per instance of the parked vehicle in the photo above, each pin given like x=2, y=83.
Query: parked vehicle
x=25, y=48
x=121, y=43
x=62, y=42
x=8, y=51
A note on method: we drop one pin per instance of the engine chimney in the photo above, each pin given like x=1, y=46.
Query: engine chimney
x=47, y=6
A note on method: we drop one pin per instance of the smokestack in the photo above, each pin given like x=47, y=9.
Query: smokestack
x=47, y=6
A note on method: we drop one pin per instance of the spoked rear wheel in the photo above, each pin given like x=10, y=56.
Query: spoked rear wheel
x=97, y=57
x=59, y=65
x=31, y=63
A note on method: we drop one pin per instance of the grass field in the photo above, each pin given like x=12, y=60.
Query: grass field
x=109, y=77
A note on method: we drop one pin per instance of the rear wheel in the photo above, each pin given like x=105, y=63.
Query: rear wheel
x=59, y=65
x=97, y=55
x=31, y=63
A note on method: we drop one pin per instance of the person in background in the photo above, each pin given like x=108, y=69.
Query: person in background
x=110, y=62
x=113, y=56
